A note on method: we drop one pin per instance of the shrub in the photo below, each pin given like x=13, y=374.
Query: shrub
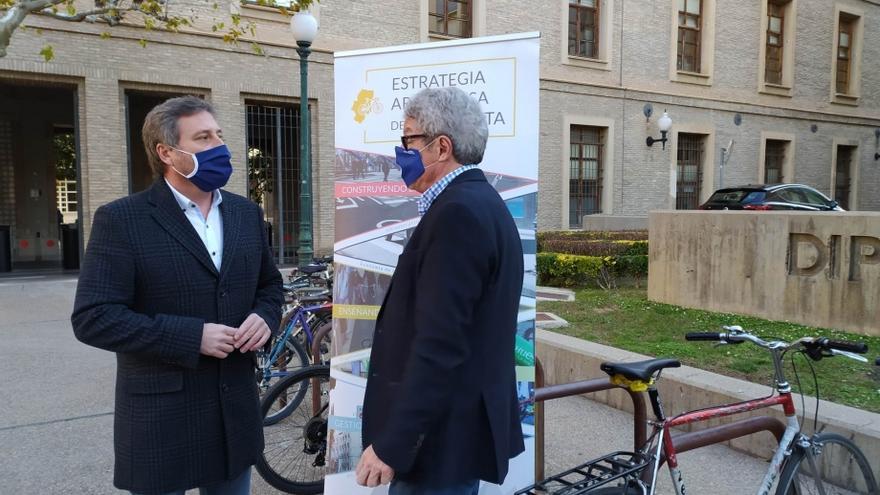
x=635, y=248
x=567, y=270
x=591, y=258
x=590, y=235
x=635, y=266
x=593, y=247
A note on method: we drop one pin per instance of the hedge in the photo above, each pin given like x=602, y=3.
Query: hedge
x=592, y=235
x=591, y=258
x=594, y=247
x=568, y=270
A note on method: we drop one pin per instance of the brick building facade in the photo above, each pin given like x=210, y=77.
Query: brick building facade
x=762, y=75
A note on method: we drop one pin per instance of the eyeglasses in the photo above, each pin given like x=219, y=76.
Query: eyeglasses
x=405, y=140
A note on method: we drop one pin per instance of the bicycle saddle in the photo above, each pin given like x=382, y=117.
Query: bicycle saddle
x=318, y=299
x=312, y=269
x=640, y=370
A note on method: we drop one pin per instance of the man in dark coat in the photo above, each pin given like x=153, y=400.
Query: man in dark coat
x=440, y=409
x=179, y=282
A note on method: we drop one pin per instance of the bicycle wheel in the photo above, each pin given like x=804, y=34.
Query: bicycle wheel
x=294, y=457
x=291, y=359
x=832, y=464
x=293, y=356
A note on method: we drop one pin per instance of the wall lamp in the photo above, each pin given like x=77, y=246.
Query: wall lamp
x=877, y=139
x=664, y=123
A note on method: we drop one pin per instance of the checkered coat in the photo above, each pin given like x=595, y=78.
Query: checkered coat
x=147, y=286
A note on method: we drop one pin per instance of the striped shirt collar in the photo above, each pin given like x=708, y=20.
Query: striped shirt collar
x=431, y=194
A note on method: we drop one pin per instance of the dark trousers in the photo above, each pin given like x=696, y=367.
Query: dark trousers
x=408, y=488
x=238, y=486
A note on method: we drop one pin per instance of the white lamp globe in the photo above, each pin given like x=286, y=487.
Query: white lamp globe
x=665, y=123
x=304, y=26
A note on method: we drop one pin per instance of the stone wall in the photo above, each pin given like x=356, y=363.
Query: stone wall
x=816, y=269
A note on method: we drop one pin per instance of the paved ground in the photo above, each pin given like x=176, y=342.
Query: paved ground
x=56, y=413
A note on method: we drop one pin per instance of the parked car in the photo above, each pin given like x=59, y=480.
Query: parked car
x=762, y=197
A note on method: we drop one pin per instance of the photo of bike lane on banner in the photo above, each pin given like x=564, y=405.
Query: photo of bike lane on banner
x=376, y=213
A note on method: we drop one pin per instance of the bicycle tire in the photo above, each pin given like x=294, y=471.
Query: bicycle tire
x=294, y=356
x=293, y=458
x=292, y=348
x=850, y=473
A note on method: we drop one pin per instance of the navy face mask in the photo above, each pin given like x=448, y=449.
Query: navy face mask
x=410, y=163
x=212, y=168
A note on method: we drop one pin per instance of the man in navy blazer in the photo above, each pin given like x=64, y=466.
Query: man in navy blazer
x=440, y=409
x=179, y=282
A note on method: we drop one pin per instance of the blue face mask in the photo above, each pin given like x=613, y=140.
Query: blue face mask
x=211, y=169
x=410, y=163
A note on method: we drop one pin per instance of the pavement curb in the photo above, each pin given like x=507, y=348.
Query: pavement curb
x=547, y=320
x=554, y=294
x=568, y=359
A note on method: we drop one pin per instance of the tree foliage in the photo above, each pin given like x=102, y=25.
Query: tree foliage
x=148, y=14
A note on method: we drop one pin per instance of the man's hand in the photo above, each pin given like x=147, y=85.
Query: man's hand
x=371, y=471
x=217, y=340
x=252, y=334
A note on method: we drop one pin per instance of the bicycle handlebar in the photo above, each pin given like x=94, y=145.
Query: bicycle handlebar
x=815, y=347
x=857, y=347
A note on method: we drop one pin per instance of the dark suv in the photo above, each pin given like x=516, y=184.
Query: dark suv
x=770, y=197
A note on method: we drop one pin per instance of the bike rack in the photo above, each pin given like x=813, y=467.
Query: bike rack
x=320, y=333
x=542, y=393
x=316, y=360
x=716, y=434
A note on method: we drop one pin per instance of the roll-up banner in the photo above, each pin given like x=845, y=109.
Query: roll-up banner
x=376, y=213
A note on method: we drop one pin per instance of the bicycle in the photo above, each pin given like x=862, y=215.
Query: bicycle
x=302, y=341
x=294, y=458
x=312, y=278
x=822, y=463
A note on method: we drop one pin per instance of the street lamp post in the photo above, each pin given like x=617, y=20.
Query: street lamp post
x=305, y=29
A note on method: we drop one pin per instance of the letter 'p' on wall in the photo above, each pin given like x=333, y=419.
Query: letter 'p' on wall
x=808, y=255
x=864, y=250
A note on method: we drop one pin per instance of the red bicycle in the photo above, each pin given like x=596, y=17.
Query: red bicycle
x=822, y=463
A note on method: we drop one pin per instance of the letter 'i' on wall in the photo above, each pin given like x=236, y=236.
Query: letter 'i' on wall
x=376, y=213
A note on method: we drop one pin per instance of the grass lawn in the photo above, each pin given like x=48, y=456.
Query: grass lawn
x=626, y=319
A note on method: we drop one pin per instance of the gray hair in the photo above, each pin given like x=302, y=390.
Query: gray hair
x=453, y=113
x=160, y=125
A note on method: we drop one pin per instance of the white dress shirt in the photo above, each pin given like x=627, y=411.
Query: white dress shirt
x=210, y=230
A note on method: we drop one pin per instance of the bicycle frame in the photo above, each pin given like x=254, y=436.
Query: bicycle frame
x=301, y=317
x=784, y=399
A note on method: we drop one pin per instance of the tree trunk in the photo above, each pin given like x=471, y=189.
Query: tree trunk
x=15, y=16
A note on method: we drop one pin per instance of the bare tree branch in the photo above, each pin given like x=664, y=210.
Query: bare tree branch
x=35, y=5
x=153, y=13
x=90, y=15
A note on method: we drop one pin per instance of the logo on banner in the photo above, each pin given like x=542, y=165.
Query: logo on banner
x=490, y=81
x=365, y=104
